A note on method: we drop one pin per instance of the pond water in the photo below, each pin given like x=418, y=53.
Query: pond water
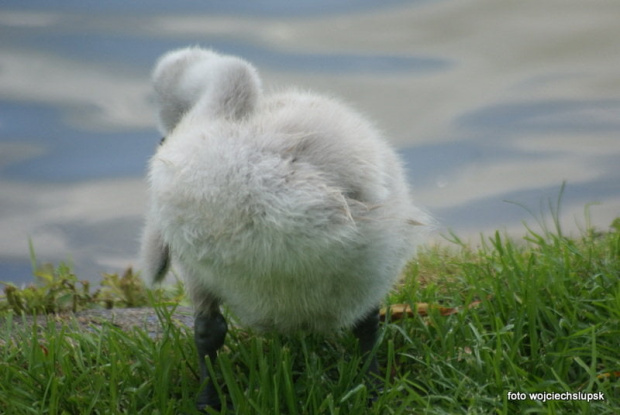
x=492, y=105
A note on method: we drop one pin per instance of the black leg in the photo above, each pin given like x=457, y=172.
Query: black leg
x=209, y=333
x=366, y=330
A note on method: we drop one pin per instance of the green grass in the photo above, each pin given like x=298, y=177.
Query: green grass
x=548, y=321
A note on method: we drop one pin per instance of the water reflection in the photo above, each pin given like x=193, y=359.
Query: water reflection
x=486, y=102
x=555, y=116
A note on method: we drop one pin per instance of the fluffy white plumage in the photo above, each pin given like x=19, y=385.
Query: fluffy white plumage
x=289, y=208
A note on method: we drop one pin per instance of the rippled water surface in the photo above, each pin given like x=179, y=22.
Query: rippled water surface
x=487, y=101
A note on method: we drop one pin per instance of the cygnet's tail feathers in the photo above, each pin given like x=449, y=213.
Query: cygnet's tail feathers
x=205, y=81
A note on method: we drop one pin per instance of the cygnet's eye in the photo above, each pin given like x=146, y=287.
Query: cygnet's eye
x=161, y=142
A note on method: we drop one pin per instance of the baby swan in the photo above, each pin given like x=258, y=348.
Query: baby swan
x=288, y=208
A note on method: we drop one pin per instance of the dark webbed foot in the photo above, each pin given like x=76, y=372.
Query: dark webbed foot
x=367, y=330
x=209, y=333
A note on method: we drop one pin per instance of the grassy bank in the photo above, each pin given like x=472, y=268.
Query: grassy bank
x=531, y=316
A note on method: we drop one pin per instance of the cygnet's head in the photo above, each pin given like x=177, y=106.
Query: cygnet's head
x=184, y=77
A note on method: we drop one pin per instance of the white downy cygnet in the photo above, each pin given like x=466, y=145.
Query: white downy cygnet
x=289, y=208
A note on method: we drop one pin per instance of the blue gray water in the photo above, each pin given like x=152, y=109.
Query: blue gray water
x=492, y=105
